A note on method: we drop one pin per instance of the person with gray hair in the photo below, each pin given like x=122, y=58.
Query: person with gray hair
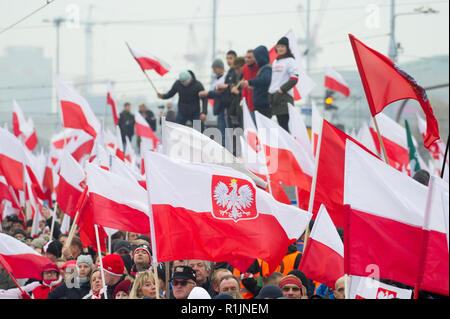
x=202, y=270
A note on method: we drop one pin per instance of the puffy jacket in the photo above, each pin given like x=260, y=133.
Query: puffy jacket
x=261, y=82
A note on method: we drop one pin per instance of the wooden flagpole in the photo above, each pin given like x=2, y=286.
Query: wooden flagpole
x=313, y=185
x=381, y=140
x=148, y=78
x=445, y=158
x=99, y=251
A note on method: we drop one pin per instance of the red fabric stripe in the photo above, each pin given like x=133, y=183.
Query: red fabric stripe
x=321, y=263
x=73, y=117
x=146, y=131
x=398, y=156
x=289, y=172
x=391, y=246
x=16, y=125
x=334, y=85
x=150, y=64
x=32, y=141
x=24, y=265
x=111, y=214
x=186, y=234
x=67, y=197
x=111, y=102
x=59, y=144
x=83, y=149
x=12, y=170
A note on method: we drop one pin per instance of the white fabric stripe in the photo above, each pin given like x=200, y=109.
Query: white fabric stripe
x=325, y=232
x=71, y=171
x=139, y=53
x=116, y=188
x=335, y=75
x=390, y=129
x=9, y=246
x=371, y=186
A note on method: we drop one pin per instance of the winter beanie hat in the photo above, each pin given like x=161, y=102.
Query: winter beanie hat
x=283, y=41
x=184, y=76
x=85, y=259
x=218, y=63
x=113, y=264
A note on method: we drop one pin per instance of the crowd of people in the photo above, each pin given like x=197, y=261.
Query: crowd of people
x=267, y=88
x=74, y=272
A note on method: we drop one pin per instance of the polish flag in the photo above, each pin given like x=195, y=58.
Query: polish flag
x=110, y=101
x=75, y=110
x=186, y=143
x=316, y=126
x=365, y=137
x=250, y=131
x=70, y=186
x=12, y=159
x=119, y=150
x=24, y=128
x=144, y=130
x=224, y=217
x=20, y=259
x=130, y=154
x=118, y=202
x=81, y=147
x=287, y=161
x=6, y=193
x=298, y=129
x=335, y=82
x=323, y=258
x=126, y=171
x=330, y=161
x=256, y=163
x=384, y=83
x=394, y=140
x=305, y=84
x=369, y=288
x=385, y=214
x=148, y=61
x=65, y=136
x=433, y=274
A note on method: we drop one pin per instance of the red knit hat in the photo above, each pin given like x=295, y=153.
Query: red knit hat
x=70, y=263
x=50, y=267
x=113, y=264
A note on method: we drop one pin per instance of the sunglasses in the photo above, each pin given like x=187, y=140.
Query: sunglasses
x=181, y=283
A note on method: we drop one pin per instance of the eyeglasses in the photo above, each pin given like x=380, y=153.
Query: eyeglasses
x=182, y=283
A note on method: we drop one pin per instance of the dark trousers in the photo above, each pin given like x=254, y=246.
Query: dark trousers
x=283, y=121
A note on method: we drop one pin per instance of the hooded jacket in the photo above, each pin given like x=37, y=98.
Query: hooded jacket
x=188, y=100
x=261, y=82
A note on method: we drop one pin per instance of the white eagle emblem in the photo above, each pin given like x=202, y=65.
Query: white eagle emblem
x=235, y=201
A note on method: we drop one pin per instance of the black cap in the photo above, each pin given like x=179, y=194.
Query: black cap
x=184, y=272
x=223, y=296
x=54, y=248
x=270, y=291
x=122, y=244
x=284, y=41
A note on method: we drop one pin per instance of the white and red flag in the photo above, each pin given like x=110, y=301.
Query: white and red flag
x=63, y=138
x=75, y=110
x=323, y=258
x=316, y=126
x=394, y=140
x=288, y=162
x=144, y=130
x=297, y=127
x=369, y=288
x=24, y=128
x=329, y=183
x=20, y=259
x=148, y=61
x=12, y=160
x=433, y=273
x=111, y=102
x=119, y=151
x=81, y=146
x=384, y=219
x=304, y=84
x=335, y=82
x=117, y=202
x=224, y=217
x=70, y=186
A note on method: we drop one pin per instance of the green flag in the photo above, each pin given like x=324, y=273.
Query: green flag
x=413, y=158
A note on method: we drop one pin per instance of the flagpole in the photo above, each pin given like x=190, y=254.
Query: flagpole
x=445, y=158
x=148, y=78
x=381, y=140
x=152, y=232
x=313, y=185
x=53, y=220
x=99, y=251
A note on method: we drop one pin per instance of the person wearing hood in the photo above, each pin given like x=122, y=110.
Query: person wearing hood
x=51, y=279
x=188, y=87
x=261, y=82
x=284, y=78
x=81, y=286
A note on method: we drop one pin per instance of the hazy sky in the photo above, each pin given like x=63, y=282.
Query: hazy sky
x=163, y=27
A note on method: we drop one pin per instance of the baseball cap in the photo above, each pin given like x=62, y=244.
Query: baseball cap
x=184, y=272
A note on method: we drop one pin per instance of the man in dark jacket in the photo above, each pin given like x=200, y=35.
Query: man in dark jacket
x=126, y=122
x=188, y=87
x=148, y=115
x=261, y=82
